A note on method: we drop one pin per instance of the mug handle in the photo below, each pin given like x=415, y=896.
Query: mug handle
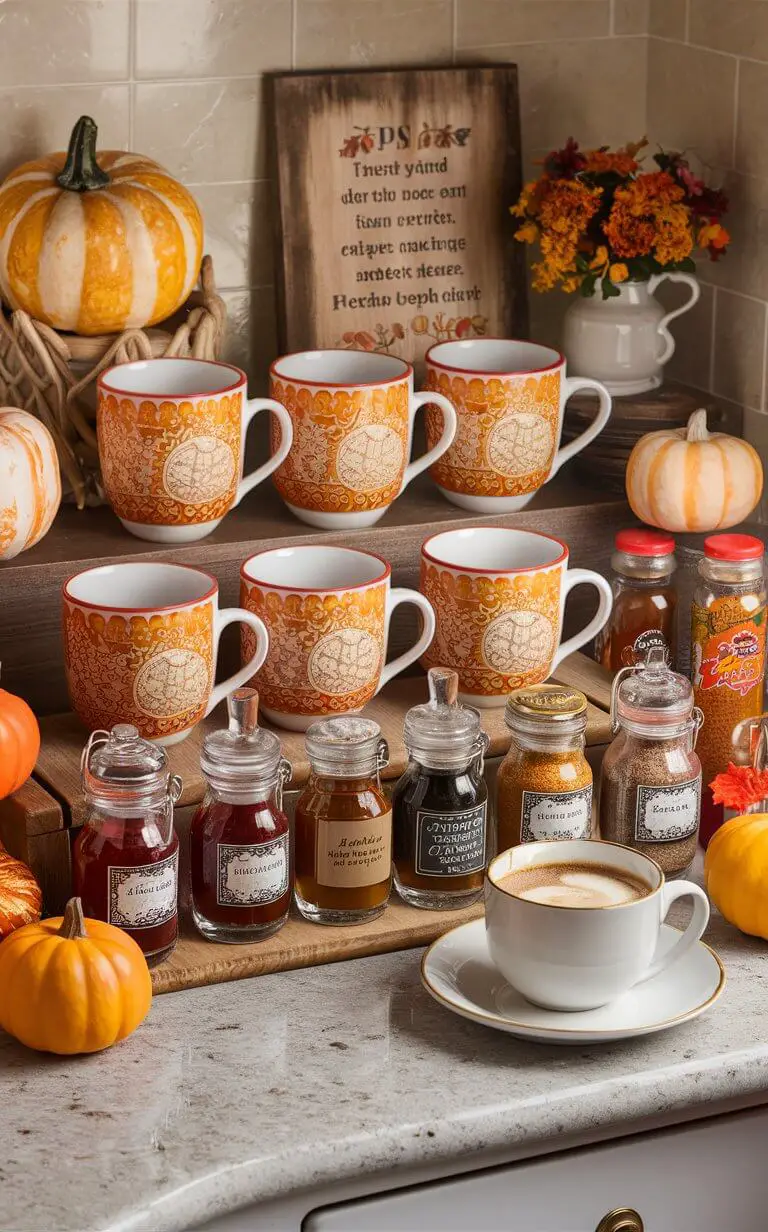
x=572, y=385
x=450, y=424
x=668, y=342
x=671, y=891
x=395, y=597
x=253, y=406
x=574, y=577
x=229, y=616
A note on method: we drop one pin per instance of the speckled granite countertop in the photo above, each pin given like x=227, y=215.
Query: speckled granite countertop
x=250, y=1091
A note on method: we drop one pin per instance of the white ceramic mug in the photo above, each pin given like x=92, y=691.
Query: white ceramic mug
x=172, y=443
x=353, y=414
x=328, y=611
x=578, y=958
x=510, y=400
x=141, y=641
x=499, y=597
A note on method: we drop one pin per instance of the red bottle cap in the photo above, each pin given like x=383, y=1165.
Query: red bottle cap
x=645, y=542
x=733, y=547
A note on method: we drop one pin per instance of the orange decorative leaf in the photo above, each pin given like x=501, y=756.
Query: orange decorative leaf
x=740, y=786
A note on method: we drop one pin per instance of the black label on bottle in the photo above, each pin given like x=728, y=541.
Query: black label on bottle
x=451, y=844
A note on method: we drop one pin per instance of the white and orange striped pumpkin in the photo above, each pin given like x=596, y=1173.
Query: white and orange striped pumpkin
x=30, y=485
x=95, y=245
x=689, y=479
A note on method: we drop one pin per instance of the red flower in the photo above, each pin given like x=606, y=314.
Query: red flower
x=564, y=164
x=463, y=327
x=366, y=342
x=740, y=786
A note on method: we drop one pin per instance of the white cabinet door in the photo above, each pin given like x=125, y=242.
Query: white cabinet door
x=710, y=1176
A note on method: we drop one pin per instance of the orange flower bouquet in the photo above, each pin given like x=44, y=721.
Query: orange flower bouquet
x=599, y=218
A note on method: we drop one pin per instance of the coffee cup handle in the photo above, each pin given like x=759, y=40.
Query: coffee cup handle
x=229, y=616
x=670, y=892
x=402, y=661
x=450, y=424
x=572, y=385
x=574, y=577
x=253, y=406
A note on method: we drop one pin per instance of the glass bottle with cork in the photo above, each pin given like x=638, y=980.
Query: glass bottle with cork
x=728, y=626
x=544, y=785
x=644, y=600
x=343, y=828
x=239, y=836
x=440, y=804
x=650, y=792
x=125, y=860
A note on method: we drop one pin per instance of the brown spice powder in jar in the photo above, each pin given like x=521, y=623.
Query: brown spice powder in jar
x=650, y=795
x=544, y=784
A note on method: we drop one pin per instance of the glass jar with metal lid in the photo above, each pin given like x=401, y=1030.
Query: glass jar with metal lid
x=125, y=860
x=343, y=831
x=651, y=777
x=644, y=599
x=544, y=786
x=441, y=841
x=239, y=836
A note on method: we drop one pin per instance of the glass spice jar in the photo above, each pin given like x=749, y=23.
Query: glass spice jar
x=440, y=804
x=644, y=600
x=125, y=860
x=650, y=791
x=239, y=836
x=343, y=828
x=544, y=784
x=728, y=623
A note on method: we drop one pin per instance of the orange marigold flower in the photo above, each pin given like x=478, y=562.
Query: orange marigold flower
x=601, y=161
x=528, y=233
x=618, y=272
x=600, y=259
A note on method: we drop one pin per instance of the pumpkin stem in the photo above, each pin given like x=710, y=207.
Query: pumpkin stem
x=73, y=924
x=81, y=172
x=697, y=427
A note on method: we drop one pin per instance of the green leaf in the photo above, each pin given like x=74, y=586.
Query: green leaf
x=610, y=290
x=687, y=264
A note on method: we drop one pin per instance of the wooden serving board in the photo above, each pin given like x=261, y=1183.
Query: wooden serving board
x=196, y=962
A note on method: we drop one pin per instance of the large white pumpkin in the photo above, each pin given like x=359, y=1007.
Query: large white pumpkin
x=689, y=479
x=30, y=484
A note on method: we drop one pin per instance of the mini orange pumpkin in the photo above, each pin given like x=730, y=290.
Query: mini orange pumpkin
x=21, y=899
x=19, y=743
x=70, y=985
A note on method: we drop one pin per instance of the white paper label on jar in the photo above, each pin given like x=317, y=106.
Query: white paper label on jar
x=664, y=814
x=352, y=854
x=250, y=874
x=556, y=814
x=146, y=896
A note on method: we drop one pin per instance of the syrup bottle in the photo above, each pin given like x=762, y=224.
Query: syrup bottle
x=239, y=837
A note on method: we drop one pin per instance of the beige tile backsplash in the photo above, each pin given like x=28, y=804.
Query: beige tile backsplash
x=182, y=80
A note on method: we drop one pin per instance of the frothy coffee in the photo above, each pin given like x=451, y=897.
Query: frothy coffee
x=574, y=885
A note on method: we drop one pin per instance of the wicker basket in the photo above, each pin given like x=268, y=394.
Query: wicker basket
x=52, y=375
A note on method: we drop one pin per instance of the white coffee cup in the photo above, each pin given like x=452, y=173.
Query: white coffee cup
x=578, y=958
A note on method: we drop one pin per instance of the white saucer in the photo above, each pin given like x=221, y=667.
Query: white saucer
x=457, y=971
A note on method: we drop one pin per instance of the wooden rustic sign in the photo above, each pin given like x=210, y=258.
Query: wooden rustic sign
x=394, y=196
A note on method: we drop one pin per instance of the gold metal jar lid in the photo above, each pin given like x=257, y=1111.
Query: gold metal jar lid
x=555, y=702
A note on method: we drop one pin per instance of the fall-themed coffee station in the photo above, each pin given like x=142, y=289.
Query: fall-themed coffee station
x=383, y=734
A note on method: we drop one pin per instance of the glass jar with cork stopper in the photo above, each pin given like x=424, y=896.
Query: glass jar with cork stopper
x=440, y=804
x=239, y=836
x=650, y=795
x=343, y=829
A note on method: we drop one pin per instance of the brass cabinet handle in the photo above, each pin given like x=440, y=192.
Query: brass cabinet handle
x=623, y=1219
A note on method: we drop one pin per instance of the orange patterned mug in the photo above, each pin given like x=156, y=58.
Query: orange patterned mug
x=171, y=444
x=499, y=597
x=327, y=610
x=510, y=400
x=140, y=646
x=352, y=414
